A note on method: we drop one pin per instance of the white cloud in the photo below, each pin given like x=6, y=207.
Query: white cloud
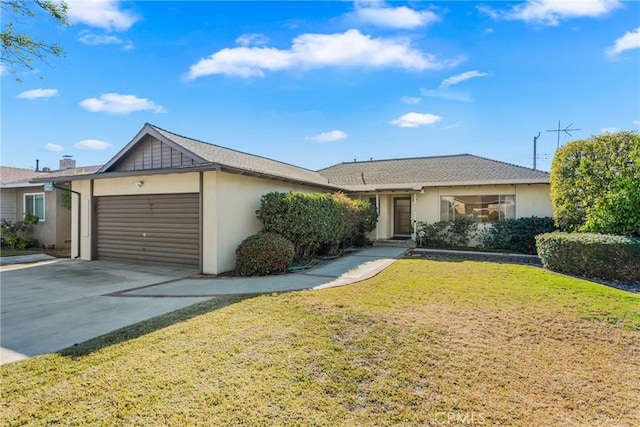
x=3, y=70
x=447, y=94
x=379, y=14
x=105, y=14
x=53, y=147
x=334, y=135
x=96, y=39
x=37, y=93
x=454, y=80
x=452, y=126
x=636, y=122
x=631, y=40
x=115, y=103
x=550, y=12
x=413, y=120
x=311, y=51
x=252, y=40
x=410, y=100
x=92, y=144
x=609, y=130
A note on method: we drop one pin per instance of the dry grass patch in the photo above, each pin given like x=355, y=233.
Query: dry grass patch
x=425, y=342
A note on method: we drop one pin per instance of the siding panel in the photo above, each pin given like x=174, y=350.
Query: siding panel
x=154, y=229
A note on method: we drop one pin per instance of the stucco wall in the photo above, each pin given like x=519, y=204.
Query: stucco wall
x=236, y=200
x=45, y=231
x=229, y=202
x=531, y=200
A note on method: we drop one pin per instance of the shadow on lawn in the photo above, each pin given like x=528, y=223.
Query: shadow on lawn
x=151, y=325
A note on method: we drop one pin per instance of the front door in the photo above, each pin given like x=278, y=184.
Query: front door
x=402, y=216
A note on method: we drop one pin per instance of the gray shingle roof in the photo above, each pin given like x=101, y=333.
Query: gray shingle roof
x=244, y=161
x=462, y=169
x=10, y=175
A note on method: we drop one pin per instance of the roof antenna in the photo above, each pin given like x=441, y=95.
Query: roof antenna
x=560, y=130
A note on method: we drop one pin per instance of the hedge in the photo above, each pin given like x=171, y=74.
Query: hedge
x=516, y=235
x=263, y=254
x=315, y=221
x=599, y=256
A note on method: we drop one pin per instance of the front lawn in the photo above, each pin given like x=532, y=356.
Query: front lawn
x=423, y=343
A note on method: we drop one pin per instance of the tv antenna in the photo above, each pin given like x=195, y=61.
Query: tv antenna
x=560, y=130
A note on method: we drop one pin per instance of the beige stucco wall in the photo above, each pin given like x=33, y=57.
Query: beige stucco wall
x=230, y=203
x=531, y=200
x=47, y=231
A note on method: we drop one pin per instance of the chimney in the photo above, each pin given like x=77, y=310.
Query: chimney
x=67, y=162
x=37, y=165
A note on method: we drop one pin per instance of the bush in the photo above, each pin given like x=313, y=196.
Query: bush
x=595, y=185
x=446, y=234
x=599, y=256
x=263, y=254
x=516, y=235
x=314, y=221
x=11, y=231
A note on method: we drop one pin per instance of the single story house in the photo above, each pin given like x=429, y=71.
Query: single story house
x=165, y=198
x=19, y=196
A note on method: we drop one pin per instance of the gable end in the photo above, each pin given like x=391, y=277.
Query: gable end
x=151, y=153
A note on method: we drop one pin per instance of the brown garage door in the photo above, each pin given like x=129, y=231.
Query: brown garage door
x=157, y=229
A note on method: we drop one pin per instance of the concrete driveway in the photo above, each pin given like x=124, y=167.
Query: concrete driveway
x=52, y=305
x=49, y=306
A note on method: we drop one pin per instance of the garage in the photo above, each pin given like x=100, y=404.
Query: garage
x=149, y=229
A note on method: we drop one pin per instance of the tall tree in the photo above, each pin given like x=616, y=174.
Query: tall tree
x=19, y=49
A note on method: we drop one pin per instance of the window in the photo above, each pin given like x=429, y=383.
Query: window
x=34, y=204
x=490, y=208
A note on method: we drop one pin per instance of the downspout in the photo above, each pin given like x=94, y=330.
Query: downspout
x=378, y=209
x=79, y=212
x=414, y=214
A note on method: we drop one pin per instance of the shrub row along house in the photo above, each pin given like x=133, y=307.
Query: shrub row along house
x=165, y=198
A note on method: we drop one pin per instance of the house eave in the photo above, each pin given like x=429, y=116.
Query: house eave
x=20, y=184
x=419, y=186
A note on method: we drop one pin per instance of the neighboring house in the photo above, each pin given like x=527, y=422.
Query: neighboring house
x=169, y=199
x=19, y=196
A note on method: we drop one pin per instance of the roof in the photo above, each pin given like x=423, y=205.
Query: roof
x=418, y=172
x=245, y=161
x=19, y=177
x=224, y=158
x=393, y=174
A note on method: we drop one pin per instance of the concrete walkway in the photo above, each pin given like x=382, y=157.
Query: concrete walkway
x=343, y=271
x=49, y=305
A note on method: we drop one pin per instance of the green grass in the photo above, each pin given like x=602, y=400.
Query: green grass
x=423, y=343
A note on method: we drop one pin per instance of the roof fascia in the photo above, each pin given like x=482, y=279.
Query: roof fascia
x=200, y=168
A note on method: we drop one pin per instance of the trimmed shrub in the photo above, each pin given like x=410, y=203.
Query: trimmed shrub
x=599, y=256
x=263, y=254
x=516, y=235
x=315, y=221
x=446, y=234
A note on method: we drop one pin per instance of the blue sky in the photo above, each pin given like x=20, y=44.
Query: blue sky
x=318, y=83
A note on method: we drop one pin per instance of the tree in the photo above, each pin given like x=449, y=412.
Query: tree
x=595, y=185
x=19, y=50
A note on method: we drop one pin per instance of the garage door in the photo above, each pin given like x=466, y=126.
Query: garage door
x=156, y=229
